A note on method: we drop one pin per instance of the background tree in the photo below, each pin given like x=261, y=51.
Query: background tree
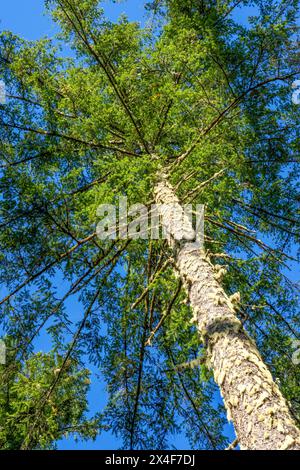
x=194, y=95
x=24, y=401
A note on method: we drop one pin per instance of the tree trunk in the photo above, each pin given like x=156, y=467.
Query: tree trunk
x=254, y=403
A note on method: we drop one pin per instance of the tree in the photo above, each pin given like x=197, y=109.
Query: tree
x=192, y=108
x=23, y=386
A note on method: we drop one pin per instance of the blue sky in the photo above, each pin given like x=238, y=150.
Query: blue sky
x=28, y=19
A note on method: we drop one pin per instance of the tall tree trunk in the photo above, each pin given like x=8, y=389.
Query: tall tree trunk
x=254, y=403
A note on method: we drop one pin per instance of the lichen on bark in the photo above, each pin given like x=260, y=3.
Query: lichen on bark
x=253, y=401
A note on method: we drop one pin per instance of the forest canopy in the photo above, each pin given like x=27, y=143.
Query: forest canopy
x=194, y=106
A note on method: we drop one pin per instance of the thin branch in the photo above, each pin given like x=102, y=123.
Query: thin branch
x=151, y=282
x=82, y=35
x=233, y=445
x=203, y=184
x=67, y=137
x=224, y=113
x=27, y=441
x=50, y=265
x=165, y=314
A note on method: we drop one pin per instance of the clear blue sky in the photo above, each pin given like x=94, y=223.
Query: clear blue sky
x=27, y=19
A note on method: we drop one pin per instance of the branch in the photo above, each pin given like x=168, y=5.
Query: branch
x=190, y=399
x=150, y=285
x=203, y=184
x=233, y=445
x=53, y=263
x=67, y=137
x=103, y=64
x=27, y=441
x=165, y=314
x=221, y=116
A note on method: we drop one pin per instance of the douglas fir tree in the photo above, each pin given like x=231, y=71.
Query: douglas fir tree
x=192, y=108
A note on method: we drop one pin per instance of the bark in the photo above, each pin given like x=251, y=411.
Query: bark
x=253, y=401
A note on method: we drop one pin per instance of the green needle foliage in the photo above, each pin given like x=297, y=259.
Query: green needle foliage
x=26, y=385
x=195, y=94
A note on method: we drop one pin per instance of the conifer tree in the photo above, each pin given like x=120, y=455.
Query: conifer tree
x=25, y=386
x=192, y=108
